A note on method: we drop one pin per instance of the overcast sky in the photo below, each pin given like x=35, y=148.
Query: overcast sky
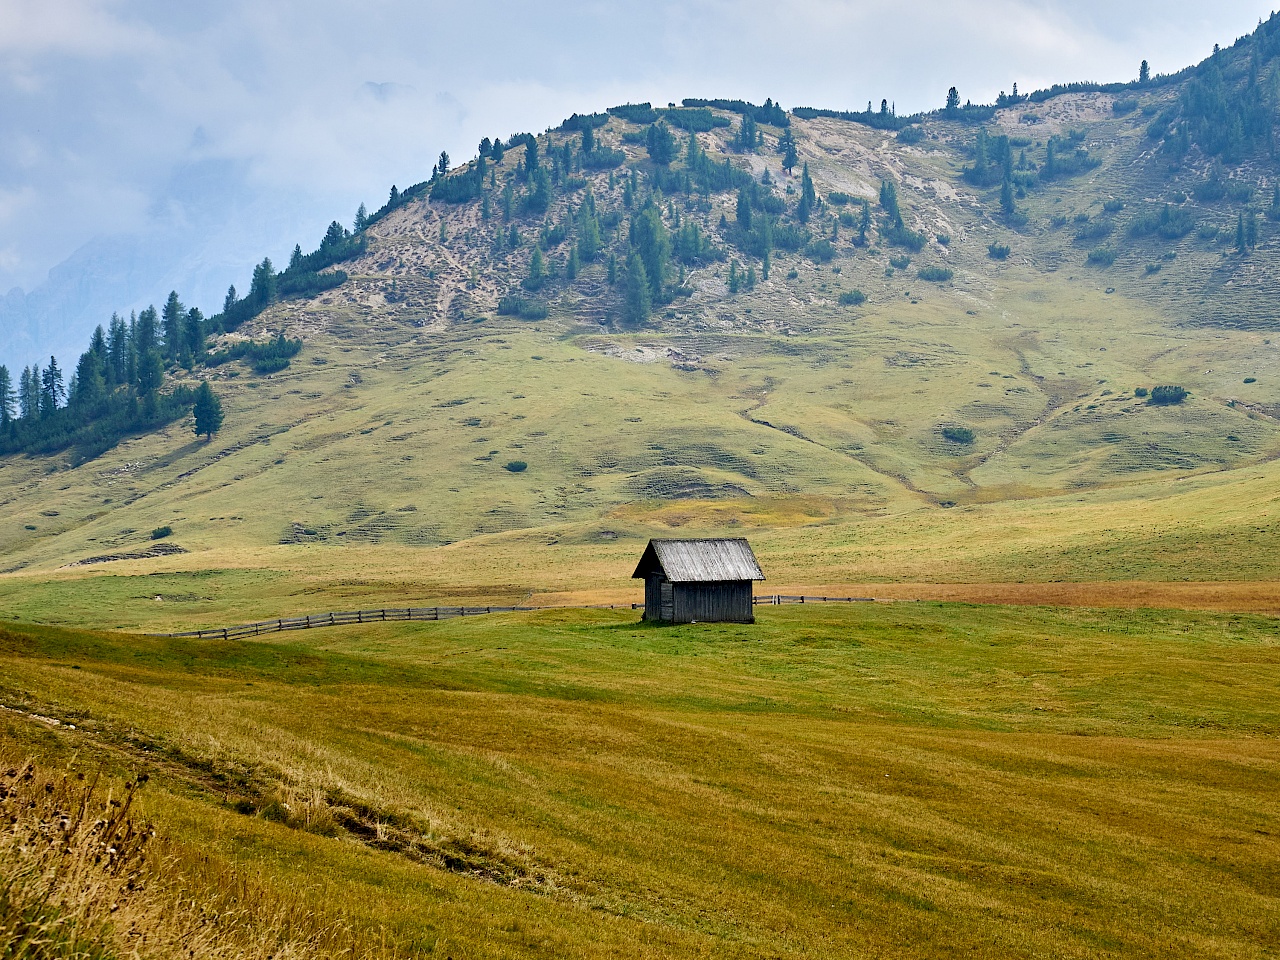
x=233, y=129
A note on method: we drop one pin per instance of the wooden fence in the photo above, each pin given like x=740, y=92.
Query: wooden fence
x=313, y=620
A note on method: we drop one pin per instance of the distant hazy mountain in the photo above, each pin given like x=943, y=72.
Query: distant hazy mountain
x=213, y=228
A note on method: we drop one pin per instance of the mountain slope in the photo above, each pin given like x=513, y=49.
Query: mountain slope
x=408, y=414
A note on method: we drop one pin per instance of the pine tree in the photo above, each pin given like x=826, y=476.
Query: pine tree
x=52, y=391
x=262, y=288
x=588, y=233
x=531, y=162
x=29, y=393
x=485, y=148
x=295, y=258
x=733, y=278
x=1144, y=73
x=787, y=147
x=889, y=203
x=7, y=397
x=765, y=263
x=1006, y=197
x=193, y=335
x=588, y=139
x=661, y=144
x=117, y=351
x=172, y=319
x=208, y=412
x=953, y=100
x=361, y=221
x=231, y=299
x=652, y=243
x=537, y=271
x=613, y=269
x=89, y=383
x=1241, y=242
x=496, y=153
x=571, y=265
x=808, y=196
x=744, y=210
x=639, y=299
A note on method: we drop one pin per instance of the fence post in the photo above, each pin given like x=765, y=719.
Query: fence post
x=224, y=633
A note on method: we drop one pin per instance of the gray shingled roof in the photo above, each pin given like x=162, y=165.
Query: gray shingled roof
x=700, y=561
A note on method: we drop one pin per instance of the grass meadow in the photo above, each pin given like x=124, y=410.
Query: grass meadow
x=909, y=779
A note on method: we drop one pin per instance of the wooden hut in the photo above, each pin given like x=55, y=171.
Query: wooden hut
x=698, y=581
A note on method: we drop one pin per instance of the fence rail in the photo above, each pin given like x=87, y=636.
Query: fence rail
x=775, y=599
x=381, y=615
x=384, y=614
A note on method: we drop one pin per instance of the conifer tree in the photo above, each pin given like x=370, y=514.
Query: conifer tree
x=117, y=351
x=639, y=299
x=588, y=233
x=537, y=271
x=172, y=318
x=588, y=139
x=208, y=412
x=496, y=153
x=531, y=162
x=744, y=210
x=953, y=100
x=661, y=144
x=808, y=196
x=230, y=300
x=193, y=336
x=652, y=243
x=613, y=269
x=787, y=147
x=52, y=390
x=361, y=221
x=29, y=393
x=571, y=265
x=7, y=397
x=443, y=162
x=295, y=258
x=1144, y=73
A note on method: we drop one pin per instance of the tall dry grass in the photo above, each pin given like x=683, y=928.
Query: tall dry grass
x=82, y=878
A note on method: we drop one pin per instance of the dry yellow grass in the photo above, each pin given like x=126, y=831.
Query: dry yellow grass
x=914, y=780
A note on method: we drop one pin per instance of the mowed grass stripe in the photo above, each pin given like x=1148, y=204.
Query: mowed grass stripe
x=918, y=780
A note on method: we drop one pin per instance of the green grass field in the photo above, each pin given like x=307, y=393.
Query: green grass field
x=902, y=779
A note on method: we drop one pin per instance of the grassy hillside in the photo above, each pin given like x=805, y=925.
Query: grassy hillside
x=919, y=780
x=1001, y=394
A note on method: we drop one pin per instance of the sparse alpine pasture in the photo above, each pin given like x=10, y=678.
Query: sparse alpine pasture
x=907, y=780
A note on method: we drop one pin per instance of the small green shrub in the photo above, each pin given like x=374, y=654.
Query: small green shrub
x=1140, y=392
x=998, y=251
x=958, y=435
x=517, y=466
x=899, y=263
x=1167, y=395
x=935, y=274
x=944, y=239
x=159, y=533
x=1101, y=257
x=852, y=298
